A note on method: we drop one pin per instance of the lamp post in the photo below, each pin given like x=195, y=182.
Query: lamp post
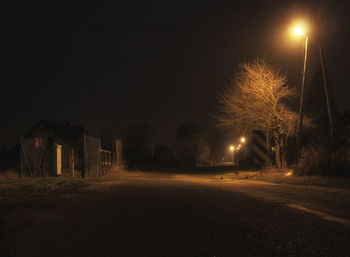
x=300, y=32
x=237, y=157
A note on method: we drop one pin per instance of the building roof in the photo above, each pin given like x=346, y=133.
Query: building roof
x=64, y=131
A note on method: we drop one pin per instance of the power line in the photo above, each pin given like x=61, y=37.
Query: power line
x=120, y=27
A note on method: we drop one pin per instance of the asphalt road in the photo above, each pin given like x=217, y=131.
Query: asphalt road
x=156, y=215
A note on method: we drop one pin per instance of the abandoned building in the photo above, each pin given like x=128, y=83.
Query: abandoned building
x=54, y=149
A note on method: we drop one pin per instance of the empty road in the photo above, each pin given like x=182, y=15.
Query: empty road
x=163, y=215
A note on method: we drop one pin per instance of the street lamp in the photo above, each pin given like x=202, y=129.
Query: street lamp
x=242, y=139
x=300, y=32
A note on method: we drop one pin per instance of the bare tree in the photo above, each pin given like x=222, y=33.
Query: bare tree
x=256, y=100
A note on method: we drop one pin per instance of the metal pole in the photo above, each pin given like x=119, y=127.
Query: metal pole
x=83, y=156
x=328, y=102
x=301, y=106
x=21, y=158
x=233, y=161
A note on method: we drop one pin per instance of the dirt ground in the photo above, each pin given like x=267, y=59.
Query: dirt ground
x=147, y=214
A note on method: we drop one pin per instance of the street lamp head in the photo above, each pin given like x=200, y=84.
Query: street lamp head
x=300, y=27
x=243, y=139
x=298, y=31
x=232, y=148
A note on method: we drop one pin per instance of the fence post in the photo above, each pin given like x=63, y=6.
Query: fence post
x=119, y=152
x=99, y=166
x=71, y=161
x=20, y=158
x=53, y=165
x=83, y=156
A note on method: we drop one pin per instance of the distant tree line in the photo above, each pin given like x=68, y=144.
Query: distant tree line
x=191, y=148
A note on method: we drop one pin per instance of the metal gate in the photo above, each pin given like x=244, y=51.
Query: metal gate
x=106, y=161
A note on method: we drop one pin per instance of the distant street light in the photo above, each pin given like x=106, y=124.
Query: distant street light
x=232, y=149
x=300, y=32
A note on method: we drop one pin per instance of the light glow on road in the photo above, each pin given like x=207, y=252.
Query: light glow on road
x=290, y=173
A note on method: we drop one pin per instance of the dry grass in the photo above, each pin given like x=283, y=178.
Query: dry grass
x=279, y=177
x=307, y=180
x=8, y=175
x=14, y=189
x=115, y=173
x=118, y=170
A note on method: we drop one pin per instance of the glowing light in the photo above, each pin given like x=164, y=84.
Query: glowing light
x=299, y=28
x=232, y=148
x=298, y=31
x=290, y=173
x=243, y=139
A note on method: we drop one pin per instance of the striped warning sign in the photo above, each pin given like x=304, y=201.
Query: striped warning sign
x=259, y=147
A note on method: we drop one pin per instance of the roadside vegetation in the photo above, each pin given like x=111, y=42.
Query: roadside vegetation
x=286, y=177
x=14, y=189
x=258, y=98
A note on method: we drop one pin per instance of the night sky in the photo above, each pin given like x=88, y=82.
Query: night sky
x=106, y=64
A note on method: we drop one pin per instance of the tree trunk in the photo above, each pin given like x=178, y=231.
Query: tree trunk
x=268, y=148
x=278, y=150
x=283, y=152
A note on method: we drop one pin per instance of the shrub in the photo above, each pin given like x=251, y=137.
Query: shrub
x=313, y=161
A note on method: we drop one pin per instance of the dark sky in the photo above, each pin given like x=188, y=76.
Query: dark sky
x=109, y=63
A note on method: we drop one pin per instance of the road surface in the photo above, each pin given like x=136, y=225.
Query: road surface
x=162, y=215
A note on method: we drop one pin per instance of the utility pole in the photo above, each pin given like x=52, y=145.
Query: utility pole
x=301, y=106
x=325, y=86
